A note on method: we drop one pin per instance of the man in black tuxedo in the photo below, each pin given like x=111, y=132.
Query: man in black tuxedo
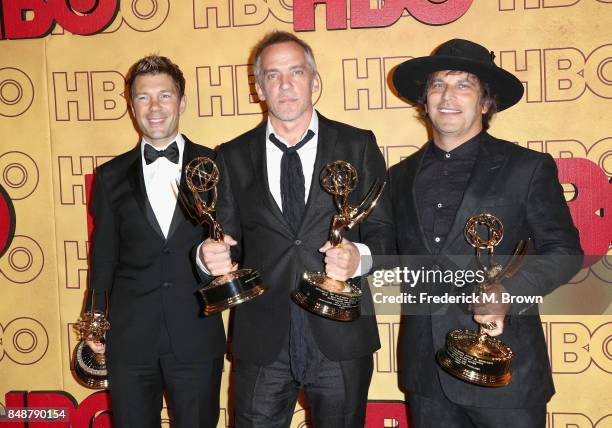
x=463, y=172
x=141, y=258
x=277, y=219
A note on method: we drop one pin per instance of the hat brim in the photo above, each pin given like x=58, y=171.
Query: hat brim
x=411, y=76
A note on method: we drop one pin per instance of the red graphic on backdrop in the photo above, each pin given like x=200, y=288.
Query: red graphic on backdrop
x=82, y=17
x=89, y=179
x=362, y=16
x=592, y=207
x=7, y=221
x=381, y=413
x=95, y=410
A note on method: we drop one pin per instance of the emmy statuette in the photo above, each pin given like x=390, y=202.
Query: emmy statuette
x=317, y=293
x=89, y=367
x=233, y=288
x=474, y=356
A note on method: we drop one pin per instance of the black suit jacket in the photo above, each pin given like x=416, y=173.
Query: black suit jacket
x=249, y=213
x=151, y=280
x=521, y=188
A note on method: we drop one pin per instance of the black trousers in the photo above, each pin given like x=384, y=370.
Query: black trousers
x=439, y=412
x=265, y=396
x=192, y=390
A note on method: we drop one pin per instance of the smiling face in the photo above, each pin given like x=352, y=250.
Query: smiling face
x=455, y=106
x=286, y=85
x=157, y=107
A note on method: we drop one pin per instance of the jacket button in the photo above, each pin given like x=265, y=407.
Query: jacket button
x=297, y=242
x=167, y=284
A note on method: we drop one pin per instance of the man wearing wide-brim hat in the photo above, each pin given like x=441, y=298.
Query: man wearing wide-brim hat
x=462, y=172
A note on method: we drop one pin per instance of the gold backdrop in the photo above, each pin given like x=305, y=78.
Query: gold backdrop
x=62, y=113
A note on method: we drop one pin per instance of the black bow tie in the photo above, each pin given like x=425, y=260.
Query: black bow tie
x=171, y=153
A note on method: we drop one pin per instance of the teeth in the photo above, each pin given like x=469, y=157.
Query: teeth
x=449, y=110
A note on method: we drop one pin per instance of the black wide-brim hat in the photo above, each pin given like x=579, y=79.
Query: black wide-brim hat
x=411, y=76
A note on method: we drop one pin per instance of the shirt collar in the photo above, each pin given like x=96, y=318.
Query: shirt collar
x=313, y=125
x=467, y=150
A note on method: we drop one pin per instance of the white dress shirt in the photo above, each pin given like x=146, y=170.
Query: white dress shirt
x=308, y=156
x=160, y=179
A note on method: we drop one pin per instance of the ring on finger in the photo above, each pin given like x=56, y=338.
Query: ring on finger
x=491, y=325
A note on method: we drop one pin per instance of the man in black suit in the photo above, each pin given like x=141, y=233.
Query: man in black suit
x=463, y=172
x=277, y=218
x=141, y=258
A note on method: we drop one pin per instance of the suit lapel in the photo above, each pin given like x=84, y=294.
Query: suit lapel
x=137, y=183
x=326, y=153
x=178, y=217
x=411, y=208
x=488, y=165
x=257, y=148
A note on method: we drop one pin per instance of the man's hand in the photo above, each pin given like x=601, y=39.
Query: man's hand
x=215, y=256
x=97, y=347
x=493, y=313
x=342, y=261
